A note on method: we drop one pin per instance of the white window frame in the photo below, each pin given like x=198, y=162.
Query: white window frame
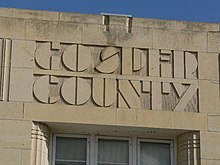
x=156, y=141
x=114, y=138
x=87, y=137
x=92, y=147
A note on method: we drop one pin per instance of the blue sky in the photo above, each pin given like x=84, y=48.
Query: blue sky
x=189, y=10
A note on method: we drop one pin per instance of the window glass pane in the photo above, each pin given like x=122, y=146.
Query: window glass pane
x=68, y=163
x=113, y=152
x=154, y=153
x=71, y=149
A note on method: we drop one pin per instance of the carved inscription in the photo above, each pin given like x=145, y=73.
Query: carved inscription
x=116, y=77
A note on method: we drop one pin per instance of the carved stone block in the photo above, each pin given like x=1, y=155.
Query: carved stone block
x=21, y=84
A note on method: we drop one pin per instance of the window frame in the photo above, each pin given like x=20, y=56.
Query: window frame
x=156, y=141
x=87, y=137
x=92, y=146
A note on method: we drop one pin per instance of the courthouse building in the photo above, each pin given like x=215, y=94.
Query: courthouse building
x=107, y=89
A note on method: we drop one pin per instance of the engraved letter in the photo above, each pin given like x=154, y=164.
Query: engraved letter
x=109, y=60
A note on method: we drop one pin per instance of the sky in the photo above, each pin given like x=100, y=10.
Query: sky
x=187, y=10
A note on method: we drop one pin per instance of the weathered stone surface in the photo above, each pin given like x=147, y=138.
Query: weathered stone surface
x=100, y=116
x=214, y=122
x=210, y=161
x=210, y=148
x=196, y=26
x=214, y=42
x=81, y=18
x=22, y=54
x=9, y=28
x=209, y=96
x=15, y=134
x=188, y=121
x=179, y=40
x=69, y=32
x=175, y=25
x=41, y=30
x=209, y=66
x=10, y=156
x=11, y=110
x=153, y=23
x=21, y=82
x=94, y=34
x=29, y=14
x=26, y=157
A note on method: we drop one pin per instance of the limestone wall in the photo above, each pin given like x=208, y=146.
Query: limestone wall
x=60, y=72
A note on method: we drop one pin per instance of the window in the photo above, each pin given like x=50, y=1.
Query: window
x=100, y=150
x=113, y=151
x=71, y=151
x=154, y=152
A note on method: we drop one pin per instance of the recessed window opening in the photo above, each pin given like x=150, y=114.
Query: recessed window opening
x=104, y=150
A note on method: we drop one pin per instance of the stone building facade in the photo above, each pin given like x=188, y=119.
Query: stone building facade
x=106, y=89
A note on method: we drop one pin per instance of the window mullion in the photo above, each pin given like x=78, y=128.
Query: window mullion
x=172, y=153
x=138, y=152
x=88, y=155
x=92, y=150
x=54, y=150
x=132, y=159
